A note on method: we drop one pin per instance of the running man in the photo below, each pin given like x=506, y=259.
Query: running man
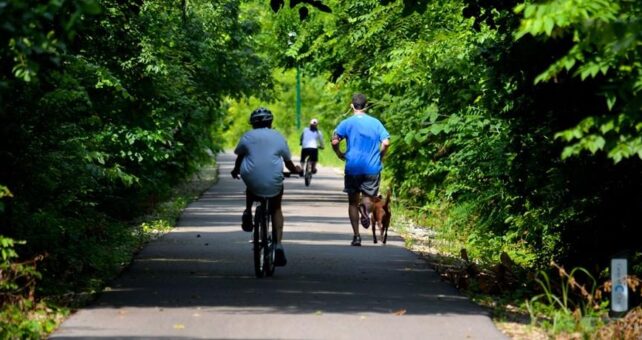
x=366, y=143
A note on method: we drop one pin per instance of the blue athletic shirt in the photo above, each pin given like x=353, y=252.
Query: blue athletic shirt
x=363, y=135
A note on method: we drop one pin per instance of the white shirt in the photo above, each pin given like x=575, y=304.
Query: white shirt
x=311, y=139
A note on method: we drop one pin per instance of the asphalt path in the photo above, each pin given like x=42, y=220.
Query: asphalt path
x=198, y=280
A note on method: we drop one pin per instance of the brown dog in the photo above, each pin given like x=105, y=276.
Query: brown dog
x=380, y=217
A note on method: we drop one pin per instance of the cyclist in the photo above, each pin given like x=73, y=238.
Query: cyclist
x=311, y=140
x=261, y=153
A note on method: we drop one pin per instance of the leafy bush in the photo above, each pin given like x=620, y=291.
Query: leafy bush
x=29, y=320
x=20, y=315
x=606, y=39
x=106, y=106
x=17, y=279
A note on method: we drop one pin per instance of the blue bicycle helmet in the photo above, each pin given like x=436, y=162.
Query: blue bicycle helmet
x=261, y=115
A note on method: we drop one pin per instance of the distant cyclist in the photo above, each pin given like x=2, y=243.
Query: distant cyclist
x=311, y=140
x=261, y=154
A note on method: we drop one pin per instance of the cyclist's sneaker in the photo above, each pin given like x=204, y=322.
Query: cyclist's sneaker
x=246, y=223
x=279, y=256
x=365, y=219
x=356, y=241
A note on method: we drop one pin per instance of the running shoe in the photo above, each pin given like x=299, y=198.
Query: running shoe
x=356, y=241
x=279, y=256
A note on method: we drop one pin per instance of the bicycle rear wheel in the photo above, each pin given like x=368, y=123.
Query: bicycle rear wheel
x=256, y=238
x=270, y=243
x=308, y=172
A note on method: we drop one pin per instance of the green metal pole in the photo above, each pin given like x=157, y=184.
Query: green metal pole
x=298, y=99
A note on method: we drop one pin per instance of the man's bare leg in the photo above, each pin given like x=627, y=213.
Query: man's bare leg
x=353, y=212
x=367, y=202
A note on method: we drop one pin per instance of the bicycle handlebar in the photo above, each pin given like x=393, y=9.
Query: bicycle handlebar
x=285, y=174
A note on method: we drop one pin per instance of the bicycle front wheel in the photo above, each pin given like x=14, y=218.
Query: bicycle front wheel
x=308, y=173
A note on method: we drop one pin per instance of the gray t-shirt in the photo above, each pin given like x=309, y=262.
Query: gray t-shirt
x=262, y=168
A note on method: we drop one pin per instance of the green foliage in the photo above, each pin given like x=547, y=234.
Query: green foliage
x=319, y=100
x=606, y=42
x=480, y=113
x=166, y=214
x=104, y=107
x=17, y=280
x=24, y=316
x=515, y=124
x=4, y=192
x=29, y=320
x=20, y=316
x=568, y=306
x=446, y=145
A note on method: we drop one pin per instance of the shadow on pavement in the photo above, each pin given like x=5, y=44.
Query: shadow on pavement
x=324, y=274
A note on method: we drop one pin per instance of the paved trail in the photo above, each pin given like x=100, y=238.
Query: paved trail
x=198, y=281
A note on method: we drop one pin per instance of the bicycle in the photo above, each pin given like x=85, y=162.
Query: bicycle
x=307, y=177
x=264, y=238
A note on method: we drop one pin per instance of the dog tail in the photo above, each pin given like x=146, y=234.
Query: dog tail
x=388, y=195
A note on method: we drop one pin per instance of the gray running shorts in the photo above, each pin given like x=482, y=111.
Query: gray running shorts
x=367, y=184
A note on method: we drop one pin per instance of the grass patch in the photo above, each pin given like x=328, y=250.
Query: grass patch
x=164, y=217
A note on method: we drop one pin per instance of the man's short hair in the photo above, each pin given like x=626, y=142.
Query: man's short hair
x=359, y=101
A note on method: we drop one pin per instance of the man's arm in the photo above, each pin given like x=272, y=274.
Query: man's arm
x=293, y=168
x=335, y=146
x=237, y=166
x=385, y=144
x=320, y=137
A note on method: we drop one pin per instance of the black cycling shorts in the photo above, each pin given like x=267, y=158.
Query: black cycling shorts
x=367, y=184
x=275, y=202
x=313, y=153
